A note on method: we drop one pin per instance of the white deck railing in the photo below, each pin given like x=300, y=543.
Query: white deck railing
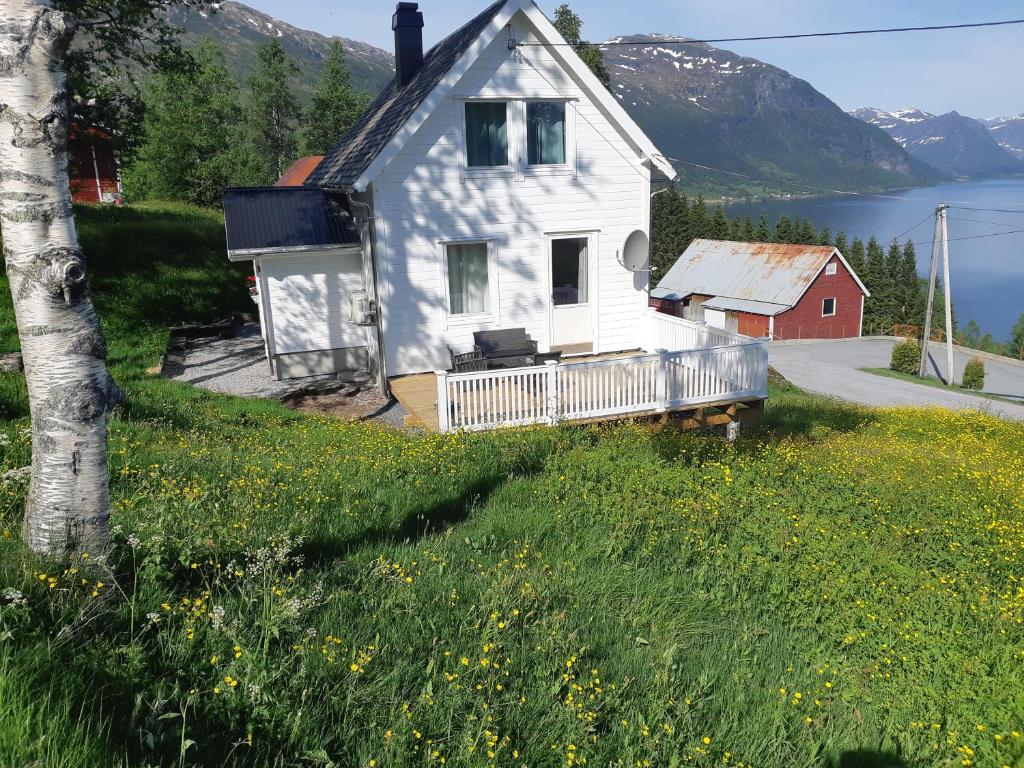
x=728, y=368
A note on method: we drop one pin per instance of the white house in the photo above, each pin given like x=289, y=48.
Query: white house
x=492, y=185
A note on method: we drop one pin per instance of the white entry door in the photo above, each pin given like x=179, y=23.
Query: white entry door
x=572, y=319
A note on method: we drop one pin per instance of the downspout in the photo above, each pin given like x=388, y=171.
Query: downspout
x=371, y=221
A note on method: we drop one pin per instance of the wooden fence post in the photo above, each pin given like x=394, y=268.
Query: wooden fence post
x=551, y=390
x=442, y=402
x=661, y=384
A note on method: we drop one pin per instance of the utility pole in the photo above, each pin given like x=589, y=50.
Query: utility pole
x=933, y=274
x=951, y=377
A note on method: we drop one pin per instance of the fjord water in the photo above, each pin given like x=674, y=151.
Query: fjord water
x=987, y=273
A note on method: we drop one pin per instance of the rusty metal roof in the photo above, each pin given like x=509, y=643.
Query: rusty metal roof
x=299, y=171
x=773, y=273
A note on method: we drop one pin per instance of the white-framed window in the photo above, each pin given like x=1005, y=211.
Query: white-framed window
x=546, y=133
x=487, y=134
x=828, y=307
x=830, y=269
x=470, y=279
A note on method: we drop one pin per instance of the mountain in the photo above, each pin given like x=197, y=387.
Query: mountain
x=1008, y=132
x=698, y=103
x=238, y=29
x=712, y=107
x=957, y=145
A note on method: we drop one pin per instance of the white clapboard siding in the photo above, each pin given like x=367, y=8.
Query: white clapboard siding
x=309, y=301
x=425, y=197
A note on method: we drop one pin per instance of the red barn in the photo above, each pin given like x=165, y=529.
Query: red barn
x=765, y=289
x=93, y=167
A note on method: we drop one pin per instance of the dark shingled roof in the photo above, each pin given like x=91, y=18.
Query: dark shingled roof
x=273, y=218
x=358, y=148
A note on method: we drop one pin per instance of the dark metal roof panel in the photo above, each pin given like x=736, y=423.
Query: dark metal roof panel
x=278, y=218
x=358, y=148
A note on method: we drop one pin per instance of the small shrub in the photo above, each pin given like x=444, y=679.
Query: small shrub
x=974, y=374
x=906, y=357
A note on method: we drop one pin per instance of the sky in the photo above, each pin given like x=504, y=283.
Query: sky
x=975, y=72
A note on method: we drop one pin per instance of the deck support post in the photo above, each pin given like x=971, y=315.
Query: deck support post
x=661, y=385
x=732, y=428
x=551, y=390
x=442, y=401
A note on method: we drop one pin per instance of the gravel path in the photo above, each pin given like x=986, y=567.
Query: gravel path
x=832, y=368
x=238, y=366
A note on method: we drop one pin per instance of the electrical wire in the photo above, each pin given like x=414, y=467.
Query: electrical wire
x=929, y=217
x=801, y=35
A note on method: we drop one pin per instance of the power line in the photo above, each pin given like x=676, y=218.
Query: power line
x=802, y=35
x=906, y=231
x=979, y=221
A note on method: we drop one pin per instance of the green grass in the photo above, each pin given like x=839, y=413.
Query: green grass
x=842, y=587
x=934, y=383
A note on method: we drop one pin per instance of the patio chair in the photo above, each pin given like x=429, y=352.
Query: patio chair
x=467, y=361
x=505, y=348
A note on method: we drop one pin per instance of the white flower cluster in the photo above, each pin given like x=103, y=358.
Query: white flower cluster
x=14, y=597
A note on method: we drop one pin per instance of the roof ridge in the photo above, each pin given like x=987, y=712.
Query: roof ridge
x=354, y=152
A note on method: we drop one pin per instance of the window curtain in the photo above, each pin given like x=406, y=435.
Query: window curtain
x=545, y=133
x=486, y=134
x=583, y=272
x=468, y=288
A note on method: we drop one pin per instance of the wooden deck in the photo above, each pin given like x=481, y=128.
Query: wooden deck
x=418, y=395
x=417, y=392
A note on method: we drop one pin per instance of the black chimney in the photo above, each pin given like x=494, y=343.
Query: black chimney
x=408, y=25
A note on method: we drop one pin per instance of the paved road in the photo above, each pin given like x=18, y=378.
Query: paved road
x=833, y=368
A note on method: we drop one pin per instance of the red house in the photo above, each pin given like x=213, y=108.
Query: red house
x=93, y=166
x=765, y=289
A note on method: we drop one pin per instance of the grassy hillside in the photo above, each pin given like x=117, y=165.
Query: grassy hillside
x=840, y=588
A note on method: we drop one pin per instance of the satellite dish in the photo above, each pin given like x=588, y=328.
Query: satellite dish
x=636, y=252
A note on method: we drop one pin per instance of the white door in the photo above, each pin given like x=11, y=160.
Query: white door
x=714, y=318
x=572, y=320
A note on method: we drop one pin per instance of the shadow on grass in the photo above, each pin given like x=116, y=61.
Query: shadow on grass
x=866, y=758
x=791, y=412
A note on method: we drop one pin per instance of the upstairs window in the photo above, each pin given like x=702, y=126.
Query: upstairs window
x=545, y=133
x=486, y=134
x=469, y=289
x=830, y=269
x=828, y=307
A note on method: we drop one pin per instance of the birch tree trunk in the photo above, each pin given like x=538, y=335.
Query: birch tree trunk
x=70, y=392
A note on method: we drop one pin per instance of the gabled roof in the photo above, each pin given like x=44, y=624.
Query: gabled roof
x=346, y=162
x=299, y=171
x=771, y=273
x=398, y=112
x=261, y=220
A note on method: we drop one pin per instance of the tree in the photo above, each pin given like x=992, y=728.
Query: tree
x=699, y=221
x=718, y=228
x=70, y=392
x=857, y=259
x=783, y=230
x=570, y=27
x=336, y=105
x=272, y=116
x=1016, y=346
x=909, y=286
x=842, y=246
x=669, y=230
x=763, y=234
x=825, y=236
x=195, y=164
x=971, y=336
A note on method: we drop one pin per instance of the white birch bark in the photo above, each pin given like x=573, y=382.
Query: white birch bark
x=70, y=392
